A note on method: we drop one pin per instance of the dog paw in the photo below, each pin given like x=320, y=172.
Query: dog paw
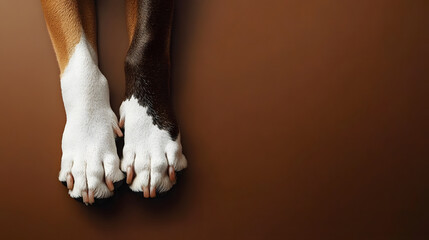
x=151, y=156
x=90, y=164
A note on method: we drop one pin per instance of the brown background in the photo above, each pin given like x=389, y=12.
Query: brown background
x=300, y=120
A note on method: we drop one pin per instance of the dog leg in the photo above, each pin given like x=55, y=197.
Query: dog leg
x=152, y=150
x=89, y=164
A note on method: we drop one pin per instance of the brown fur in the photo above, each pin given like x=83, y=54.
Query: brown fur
x=88, y=18
x=65, y=20
x=132, y=13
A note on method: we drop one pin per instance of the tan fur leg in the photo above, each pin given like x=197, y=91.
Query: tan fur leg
x=90, y=163
x=132, y=13
x=65, y=20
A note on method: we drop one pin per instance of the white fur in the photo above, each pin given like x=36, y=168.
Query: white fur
x=89, y=151
x=148, y=149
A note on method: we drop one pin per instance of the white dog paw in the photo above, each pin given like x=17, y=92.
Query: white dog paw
x=90, y=164
x=151, y=156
